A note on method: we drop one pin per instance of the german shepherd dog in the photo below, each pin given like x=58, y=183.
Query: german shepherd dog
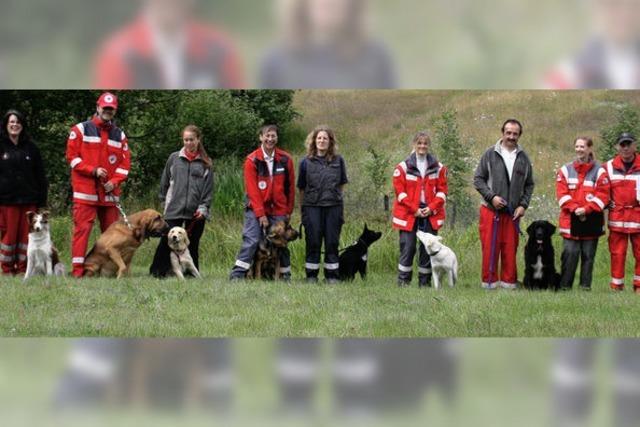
x=266, y=261
x=354, y=258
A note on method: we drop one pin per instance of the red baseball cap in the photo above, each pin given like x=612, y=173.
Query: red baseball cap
x=108, y=99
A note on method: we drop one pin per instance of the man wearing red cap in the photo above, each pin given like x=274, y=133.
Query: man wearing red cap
x=98, y=154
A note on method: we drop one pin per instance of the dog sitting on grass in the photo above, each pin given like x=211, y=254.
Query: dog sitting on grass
x=539, y=257
x=354, y=258
x=42, y=256
x=443, y=260
x=181, y=261
x=266, y=261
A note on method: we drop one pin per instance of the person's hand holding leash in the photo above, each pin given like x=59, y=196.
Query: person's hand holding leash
x=100, y=173
x=498, y=202
x=109, y=186
x=264, y=221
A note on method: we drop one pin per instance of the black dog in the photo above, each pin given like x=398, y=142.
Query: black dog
x=540, y=269
x=354, y=258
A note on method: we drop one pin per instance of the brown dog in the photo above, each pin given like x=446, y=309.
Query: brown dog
x=266, y=261
x=114, y=249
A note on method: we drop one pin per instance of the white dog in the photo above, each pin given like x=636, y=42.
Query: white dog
x=42, y=256
x=181, y=261
x=443, y=260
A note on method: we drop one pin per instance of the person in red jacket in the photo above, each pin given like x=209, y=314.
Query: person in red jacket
x=420, y=184
x=98, y=153
x=269, y=182
x=166, y=47
x=624, y=211
x=582, y=190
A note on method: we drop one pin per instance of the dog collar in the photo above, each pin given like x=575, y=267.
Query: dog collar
x=434, y=254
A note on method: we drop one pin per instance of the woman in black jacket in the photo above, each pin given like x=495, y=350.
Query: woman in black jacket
x=321, y=180
x=23, y=188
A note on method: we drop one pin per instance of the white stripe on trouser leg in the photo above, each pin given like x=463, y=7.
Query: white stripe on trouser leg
x=7, y=247
x=77, y=260
x=636, y=278
x=22, y=257
x=617, y=281
x=361, y=370
x=23, y=246
x=285, y=269
x=242, y=264
x=5, y=258
x=404, y=269
x=424, y=270
x=332, y=266
x=296, y=370
x=311, y=266
x=91, y=365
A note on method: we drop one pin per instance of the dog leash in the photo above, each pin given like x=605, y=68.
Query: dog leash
x=124, y=215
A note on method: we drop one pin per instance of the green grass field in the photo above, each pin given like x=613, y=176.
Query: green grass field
x=213, y=307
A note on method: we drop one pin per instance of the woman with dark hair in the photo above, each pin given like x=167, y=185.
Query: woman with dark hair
x=186, y=189
x=321, y=179
x=23, y=188
x=582, y=190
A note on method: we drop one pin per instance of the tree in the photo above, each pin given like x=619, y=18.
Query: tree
x=455, y=157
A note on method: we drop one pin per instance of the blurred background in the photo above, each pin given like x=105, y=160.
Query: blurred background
x=488, y=382
x=320, y=44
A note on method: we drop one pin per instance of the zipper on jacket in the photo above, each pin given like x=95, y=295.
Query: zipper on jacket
x=186, y=200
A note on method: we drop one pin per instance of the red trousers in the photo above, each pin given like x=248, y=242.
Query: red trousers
x=15, y=237
x=83, y=218
x=618, y=243
x=506, y=246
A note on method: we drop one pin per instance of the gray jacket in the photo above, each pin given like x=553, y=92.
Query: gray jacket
x=492, y=179
x=185, y=187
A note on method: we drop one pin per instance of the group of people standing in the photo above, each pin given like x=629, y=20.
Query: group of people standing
x=99, y=157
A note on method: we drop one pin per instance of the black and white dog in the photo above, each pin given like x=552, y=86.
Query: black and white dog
x=42, y=256
x=540, y=269
x=354, y=258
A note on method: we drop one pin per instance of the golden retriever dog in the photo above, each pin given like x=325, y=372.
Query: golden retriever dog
x=114, y=249
x=266, y=261
x=181, y=261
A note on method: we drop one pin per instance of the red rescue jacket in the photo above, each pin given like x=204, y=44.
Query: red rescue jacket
x=624, y=212
x=94, y=144
x=581, y=185
x=408, y=185
x=269, y=194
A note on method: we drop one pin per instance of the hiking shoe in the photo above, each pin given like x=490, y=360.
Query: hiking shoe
x=486, y=285
x=312, y=280
x=332, y=281
x=403, y=283
x=636, y=291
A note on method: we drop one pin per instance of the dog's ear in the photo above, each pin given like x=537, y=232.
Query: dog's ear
x=186, y=240
x=30, y=215
x=365, y=227
x=530, y=228
x=44, y=213
x=550, y=228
